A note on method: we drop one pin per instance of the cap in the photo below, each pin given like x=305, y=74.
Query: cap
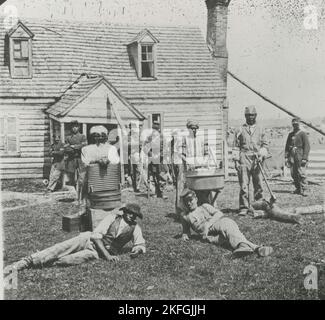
x=74, y=123
x=295, y=119
x=192, y=124
x=187, y=193
x=98, y=129
x=250, y=110
x=133, y=208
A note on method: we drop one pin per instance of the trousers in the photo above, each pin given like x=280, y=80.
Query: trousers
x=74, y=251
x=298, y=174
x=228, y=233
x=246, y=170
x=56, y=176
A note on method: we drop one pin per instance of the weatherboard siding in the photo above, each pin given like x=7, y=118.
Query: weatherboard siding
x=33, y=127
x=176, y=112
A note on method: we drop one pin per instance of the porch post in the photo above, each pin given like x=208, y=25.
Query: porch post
x=62, y=132
x=51, y=131
x=84, y=129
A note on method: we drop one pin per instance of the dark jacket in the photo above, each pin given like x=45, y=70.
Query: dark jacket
x=297, y=146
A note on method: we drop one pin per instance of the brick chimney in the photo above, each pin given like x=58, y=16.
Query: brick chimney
x=217, y=44
x=217, y=33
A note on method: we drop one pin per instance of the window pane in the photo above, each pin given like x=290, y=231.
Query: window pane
x=149, y=56
x=11, y=125
x=24, y=49
x=17, y=54
x=17, y=45
x=144, y=57
x=12, y=144
x=143, y=49
x=149, y=49
x=147, y=69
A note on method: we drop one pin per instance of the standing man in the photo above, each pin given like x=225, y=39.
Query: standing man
x=134, y=155
x=57, y=168
x=249, y=143
x=153, y=147
x=73, y=146
x=296, y=156
x=194, y=155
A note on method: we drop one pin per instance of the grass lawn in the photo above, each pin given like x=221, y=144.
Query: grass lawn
x=172, y=269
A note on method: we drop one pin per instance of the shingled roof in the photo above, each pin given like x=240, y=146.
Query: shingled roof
x=64, y=50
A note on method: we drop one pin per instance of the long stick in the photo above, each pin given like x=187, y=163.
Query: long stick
x=275, y=104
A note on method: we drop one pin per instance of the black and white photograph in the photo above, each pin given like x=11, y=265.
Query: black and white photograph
x=169, y=150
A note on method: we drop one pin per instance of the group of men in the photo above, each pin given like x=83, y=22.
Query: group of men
x=250, y=151
x=120, y=225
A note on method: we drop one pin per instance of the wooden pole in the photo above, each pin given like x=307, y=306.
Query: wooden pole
x=51, y=131
x=275, y=104
x=62, y=132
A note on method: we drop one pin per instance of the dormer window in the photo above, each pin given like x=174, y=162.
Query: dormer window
x=20, y=49
x=143, y=50
x=147, y=61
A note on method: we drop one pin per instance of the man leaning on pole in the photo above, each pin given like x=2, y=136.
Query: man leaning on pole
x=249, y=144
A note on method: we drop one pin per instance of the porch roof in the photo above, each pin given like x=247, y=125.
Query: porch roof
x=81, y=102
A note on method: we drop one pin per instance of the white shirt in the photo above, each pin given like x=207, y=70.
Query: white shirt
x=94, y=153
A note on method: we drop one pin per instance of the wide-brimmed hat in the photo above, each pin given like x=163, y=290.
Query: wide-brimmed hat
x=133, y=208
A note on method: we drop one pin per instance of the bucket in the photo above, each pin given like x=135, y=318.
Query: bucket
x=205, y=179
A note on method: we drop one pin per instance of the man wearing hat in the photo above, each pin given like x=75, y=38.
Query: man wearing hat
x=194, y=155
x=73, y=146
x=296, y=156
x=99, y=151
x=249, y=143
x=214, y=227
x=154, y=147
x=106, y=241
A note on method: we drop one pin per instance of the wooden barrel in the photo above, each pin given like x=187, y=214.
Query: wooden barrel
x=104, y=186
x=209, y=179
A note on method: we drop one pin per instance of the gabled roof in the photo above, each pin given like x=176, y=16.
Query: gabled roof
x=141, y=35
x=80, y=89
x=64, y=50
x=18, y=26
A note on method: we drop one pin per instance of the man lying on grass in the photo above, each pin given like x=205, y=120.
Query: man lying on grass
x=107, y=240
x=214, y=227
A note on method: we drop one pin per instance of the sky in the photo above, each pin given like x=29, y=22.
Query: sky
x=272, y=44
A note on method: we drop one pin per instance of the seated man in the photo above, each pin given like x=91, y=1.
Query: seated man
x=214, y=227
x=107, y=240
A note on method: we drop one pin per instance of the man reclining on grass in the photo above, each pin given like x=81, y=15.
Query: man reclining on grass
x=214, y=227
x=107, y=240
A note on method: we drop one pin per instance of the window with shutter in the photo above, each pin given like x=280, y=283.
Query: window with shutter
x=9, y=142
x=20, y=51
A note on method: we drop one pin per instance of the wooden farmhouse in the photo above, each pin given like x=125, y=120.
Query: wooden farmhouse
x=53, y=72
